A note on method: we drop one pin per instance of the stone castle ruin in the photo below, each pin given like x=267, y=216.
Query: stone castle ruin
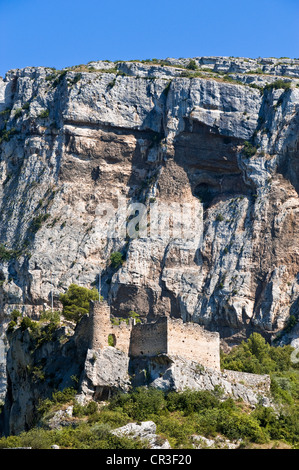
x=167, y=353
x=164, y=336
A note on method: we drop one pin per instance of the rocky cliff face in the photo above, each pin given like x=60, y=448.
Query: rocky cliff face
x=80, y=147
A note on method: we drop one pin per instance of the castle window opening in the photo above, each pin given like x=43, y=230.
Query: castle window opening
x=111, y=340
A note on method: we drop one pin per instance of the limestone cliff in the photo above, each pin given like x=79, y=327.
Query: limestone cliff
x=79, y=146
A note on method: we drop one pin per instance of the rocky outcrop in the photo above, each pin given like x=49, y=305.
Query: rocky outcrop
x=38, y=364
x=146, y=431
x=109, y=370
x=201, y=442
x=105, y=371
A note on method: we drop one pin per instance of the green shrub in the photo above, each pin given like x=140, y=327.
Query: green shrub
x=15, y=315
x=5, y=111
x=219, y=218
x=36, y=438
x=85, y=410
x=134, y=315
x=190, y=401
x=116, y=259
x=278, y=84
x=28, y=323
x=256, y=356
x=76, y=301
x=5, y=253
x=18, y=113
x=51, y=316
x=51, y=76
x=111, y=84
x=192, y=65
x=11, y=325
x=249, y=150
x=76, y=78
x=59, y=78
x=139, y=404
x=44, y=114
x=6, y=135
x=38, y=221
x=167, y=88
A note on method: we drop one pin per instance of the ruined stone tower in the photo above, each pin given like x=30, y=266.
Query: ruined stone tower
x=101, y=328
x=99, y=324
x=164, y=336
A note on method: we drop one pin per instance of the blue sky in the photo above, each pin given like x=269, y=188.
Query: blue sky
x=60, y=33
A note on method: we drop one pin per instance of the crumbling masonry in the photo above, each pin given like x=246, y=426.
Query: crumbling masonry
x=164, y=336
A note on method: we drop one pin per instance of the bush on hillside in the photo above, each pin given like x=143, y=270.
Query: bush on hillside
x=76, y=301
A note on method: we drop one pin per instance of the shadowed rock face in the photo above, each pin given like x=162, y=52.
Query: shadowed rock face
x=166, y=141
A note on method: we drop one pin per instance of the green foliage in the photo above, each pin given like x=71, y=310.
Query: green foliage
x=190, y=402
x=219, y=218
x=58, y=398
x=18, y=113
x=35, y=438
x=178, y=416
x=38, y=221
x=59, y=78
x=111, y=84
x=290, y=323
x=140, y=403
x=257, y=356
x=76, y=78
x=26, y=106
x=28, y=323
x=134, y=315
x=278, y=84
x=110, y=340
x=76, y=301
x=192, y=65
x=51, y=316
x=40, y=332
x=249, y=150
x=51, y=77
x=5, y=254
x=4, y=112
x=11, y=326
x=192, y=74
x=116, y=259
x=6, y=135
x=44, y=114
x=167, y=88
x=15, y=315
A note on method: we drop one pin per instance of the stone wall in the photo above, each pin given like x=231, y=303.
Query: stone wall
x=149, y=339
x=255, y=381
x=166, y=335
x=192, y=342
